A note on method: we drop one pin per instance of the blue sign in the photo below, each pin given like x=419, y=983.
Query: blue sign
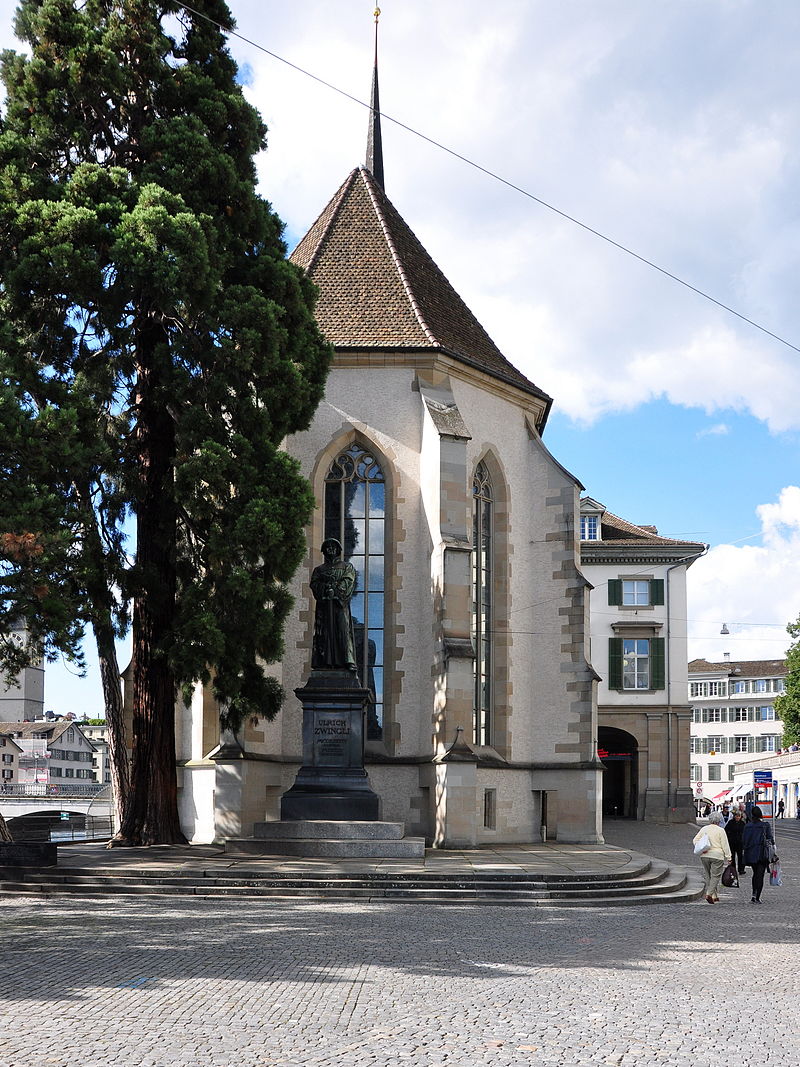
x=762, y=779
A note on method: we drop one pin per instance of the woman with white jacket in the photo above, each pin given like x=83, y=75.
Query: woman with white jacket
x=715, y=858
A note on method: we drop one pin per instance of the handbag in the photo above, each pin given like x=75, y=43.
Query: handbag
x=730, y=878
x=775, y=874
x=702, y=845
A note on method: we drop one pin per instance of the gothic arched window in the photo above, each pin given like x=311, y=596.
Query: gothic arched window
x=482, y=604
x=355, y=514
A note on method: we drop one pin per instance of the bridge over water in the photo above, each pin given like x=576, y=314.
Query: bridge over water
x=45, y=812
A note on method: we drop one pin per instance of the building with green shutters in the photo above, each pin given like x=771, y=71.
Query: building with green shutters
x=638, y=646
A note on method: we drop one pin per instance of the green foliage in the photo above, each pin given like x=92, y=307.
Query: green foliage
x=787, y=705
x=141, y=271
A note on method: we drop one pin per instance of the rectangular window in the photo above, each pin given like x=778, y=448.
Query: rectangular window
x=636, y=663
x=740, y=744
x=780, y=685
x=698, y=689
x=717, y=715
x=695, y=745
x=716, y=744
x=589, y=528
x=490, y=808
x=715, y=772
x=761, y=686
x=55, y=772
x=740, y=687
x=738, y=715
x=697, y=715
x=731, y=769
x=635, y=592
x=694, y=773
x=8, y=774
x=8, y=757
x=716, y=689
x=769, y=743
x=767, y=714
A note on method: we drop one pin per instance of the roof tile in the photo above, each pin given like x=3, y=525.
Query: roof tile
x=379, y=288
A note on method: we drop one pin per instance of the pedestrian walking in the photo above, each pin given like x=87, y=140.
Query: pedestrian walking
x=781, y=808
x=718, y=854
x=734, y=831
x=756, y=850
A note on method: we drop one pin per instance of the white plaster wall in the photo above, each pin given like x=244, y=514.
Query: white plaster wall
x=196, y=802
x=602, y=615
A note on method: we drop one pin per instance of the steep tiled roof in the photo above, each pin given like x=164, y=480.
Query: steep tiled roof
x=28, y=728
x=744, y=668
x=621, y=532
x=379, y=288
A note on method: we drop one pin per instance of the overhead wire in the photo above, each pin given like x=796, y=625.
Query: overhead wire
x=499, y=178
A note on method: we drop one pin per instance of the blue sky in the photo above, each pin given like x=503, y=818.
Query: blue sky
x=671, y=127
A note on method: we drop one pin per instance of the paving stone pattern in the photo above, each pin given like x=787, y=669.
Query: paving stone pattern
x=169, y=981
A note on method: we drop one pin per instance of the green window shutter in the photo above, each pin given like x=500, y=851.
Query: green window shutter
x=615, y=593
x=656, y=590
x=614, y=662
x=657, y=666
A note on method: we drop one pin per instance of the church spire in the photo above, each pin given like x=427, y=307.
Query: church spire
x=374, y=142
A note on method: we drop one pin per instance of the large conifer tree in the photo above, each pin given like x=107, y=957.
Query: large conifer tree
x=787, y=705
x=156, y=347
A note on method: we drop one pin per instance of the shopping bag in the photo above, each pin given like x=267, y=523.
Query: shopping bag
x=703, y=845
x=775, y=874
x=729, y=877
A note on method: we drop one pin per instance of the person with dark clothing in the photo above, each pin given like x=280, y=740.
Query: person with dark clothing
x=734, y=828
x=781, y=808
x=756, y=850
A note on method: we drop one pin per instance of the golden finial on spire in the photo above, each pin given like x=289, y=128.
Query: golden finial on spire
x=377, y=14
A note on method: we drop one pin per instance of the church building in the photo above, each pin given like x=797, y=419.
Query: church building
x=427, y=462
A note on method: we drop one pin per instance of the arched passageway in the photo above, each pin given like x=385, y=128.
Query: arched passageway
x=619, y=752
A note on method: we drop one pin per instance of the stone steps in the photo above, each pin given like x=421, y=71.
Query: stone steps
x=326, y=839
x=651, y=882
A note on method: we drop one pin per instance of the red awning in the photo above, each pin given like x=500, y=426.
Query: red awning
x=719, y=796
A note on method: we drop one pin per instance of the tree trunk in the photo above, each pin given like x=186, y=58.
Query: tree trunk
x=115, y=722
x=151, y=815
x=102, y=625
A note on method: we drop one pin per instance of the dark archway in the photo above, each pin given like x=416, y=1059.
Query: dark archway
x=619, y=752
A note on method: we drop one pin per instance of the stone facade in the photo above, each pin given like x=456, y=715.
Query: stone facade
x=420, y=390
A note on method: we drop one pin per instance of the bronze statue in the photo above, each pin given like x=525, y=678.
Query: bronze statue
x=333, y=584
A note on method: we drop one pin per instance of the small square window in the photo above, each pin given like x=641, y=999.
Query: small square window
x=635, y=592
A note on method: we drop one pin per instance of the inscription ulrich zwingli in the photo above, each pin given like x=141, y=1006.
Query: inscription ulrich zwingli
x=331, y=728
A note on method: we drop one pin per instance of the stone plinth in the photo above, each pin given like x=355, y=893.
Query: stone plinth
x=28, y=854
x=332, y=783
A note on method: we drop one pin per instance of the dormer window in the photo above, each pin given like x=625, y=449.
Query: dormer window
x=590, y=527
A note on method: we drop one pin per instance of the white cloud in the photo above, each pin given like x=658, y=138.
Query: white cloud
x=754, y=589
x=719, y=429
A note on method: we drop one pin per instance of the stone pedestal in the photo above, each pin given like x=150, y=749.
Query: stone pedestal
x=332, y=783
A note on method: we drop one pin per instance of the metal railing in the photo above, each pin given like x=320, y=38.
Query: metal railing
x=54, y=827
x=41, y=789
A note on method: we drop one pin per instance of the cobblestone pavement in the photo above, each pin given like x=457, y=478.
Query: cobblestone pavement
x=162, y=982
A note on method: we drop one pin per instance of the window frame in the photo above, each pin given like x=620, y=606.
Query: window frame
x=357, y=464
x=482, y=610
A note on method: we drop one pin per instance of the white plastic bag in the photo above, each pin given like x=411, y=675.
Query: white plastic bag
x=702, y=845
